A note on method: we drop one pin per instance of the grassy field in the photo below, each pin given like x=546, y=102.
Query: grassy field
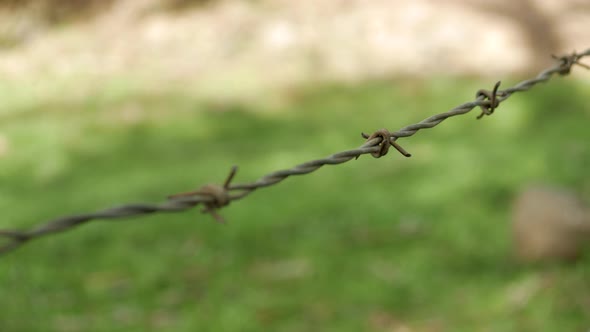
x=390, y=244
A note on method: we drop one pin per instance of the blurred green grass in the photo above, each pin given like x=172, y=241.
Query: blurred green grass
x=371, y=245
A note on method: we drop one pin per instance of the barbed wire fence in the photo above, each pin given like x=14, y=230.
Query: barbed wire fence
x=214, y=197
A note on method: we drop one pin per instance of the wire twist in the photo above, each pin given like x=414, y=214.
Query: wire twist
x=214, y=197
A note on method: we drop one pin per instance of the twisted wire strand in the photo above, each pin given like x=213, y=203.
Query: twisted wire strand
x=179, y=203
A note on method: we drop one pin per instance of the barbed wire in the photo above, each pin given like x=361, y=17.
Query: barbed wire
x=214, y=196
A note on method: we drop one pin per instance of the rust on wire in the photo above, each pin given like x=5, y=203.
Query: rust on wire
x=214, y=197
x=386, y=140
x=219, y=195
x=490, y=98
x=567, y=62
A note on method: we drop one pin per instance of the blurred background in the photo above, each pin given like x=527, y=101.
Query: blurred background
x=108, y=102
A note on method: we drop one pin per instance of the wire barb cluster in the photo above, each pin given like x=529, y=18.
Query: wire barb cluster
x=491, y=97
x=214, y=197
x=218, y=195
x=569, y=60
x=385, y=141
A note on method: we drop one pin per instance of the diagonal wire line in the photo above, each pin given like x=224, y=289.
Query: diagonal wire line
x=214, y=197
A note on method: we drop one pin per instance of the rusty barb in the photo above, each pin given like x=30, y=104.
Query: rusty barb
x=568, y=61
x=386, y=139
x=490, y=98
x=214, y=197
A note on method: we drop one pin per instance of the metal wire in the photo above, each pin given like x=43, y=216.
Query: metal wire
x=214, y=197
